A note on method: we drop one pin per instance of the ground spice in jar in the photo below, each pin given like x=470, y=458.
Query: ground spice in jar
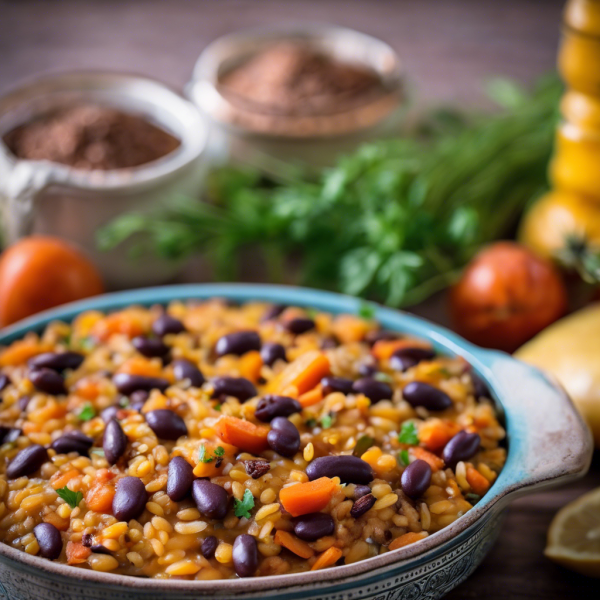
x=88, y=136
x=293, y=79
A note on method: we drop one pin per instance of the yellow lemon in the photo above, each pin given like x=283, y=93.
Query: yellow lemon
x=570, y=350
x=574, y=535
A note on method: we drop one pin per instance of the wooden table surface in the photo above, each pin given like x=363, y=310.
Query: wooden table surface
x=449, y=49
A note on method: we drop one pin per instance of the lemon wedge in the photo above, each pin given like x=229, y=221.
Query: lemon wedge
x=574, y=535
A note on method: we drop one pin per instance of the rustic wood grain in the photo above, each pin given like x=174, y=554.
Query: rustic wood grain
x=449, y=49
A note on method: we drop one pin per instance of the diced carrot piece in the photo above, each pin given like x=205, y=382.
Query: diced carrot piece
x=292, y=543
x=436, y=433
x=87, y=388
x=100, y=497
x=104, y=475
x=406, y=539
x=126, y=322
x=328, y=558
x=77, y=553
x=209, y=469
x=58, y=522
x=52, y=410
x=60, y=479
x=479, y=484
x=349, y=328
x=304, y=373
x=242, y=434
x=311, y=397
x=21, y=351
x=138, y=365
x=435, y=462
x=383, y=349
x=250, y=365
x=305, y=498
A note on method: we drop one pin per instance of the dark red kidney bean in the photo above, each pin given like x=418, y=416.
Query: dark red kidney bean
x=362, y=505
x=373, y=389
x=27, y=461
x=416, y=478
x=273, y=312
x=422, y=394
x=9, y=434
x=367, y=370
x=139, y=396
x=237, y=343
x=72, y=441
x=462, y=446
x=284, y=437
x=402, y=363
x=299, y=325
x=313, y=526
x=480, y=388
x=336, y=384
x=166, y=424
x=110, y=413
x=380, y=334
x=180, y=478
x=49, y=540
x=166, y=324
x=127, y=383
x=4, y=381
x=271, y=406
x=24, y=402
x=150, y=347
x=130, y=499
x=350, y=469
x=245, y=555
x=208, y=547
x=57, y=361
x=185, y=369
x=99, y=549
x=360, y=491
x=114, y=442
x=272, y=352
x=238, y=387
x=49, y=381
x=211, y=499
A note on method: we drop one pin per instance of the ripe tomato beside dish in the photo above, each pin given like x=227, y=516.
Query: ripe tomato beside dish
x=38, y=273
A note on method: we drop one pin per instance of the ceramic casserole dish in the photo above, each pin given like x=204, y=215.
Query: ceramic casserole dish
x=548, y=444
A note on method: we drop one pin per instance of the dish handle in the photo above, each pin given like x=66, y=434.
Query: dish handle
x=549, y=442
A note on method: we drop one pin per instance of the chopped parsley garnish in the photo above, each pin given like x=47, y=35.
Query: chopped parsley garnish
x=70, y=497
x=379, y=376
x=366, y=310
x=408, y=434
x=363, y=444
x=473, y=498
x=98, y=451
x=243, y=507
x=218, y=407
x=326, y=421
x=202, y=454
x=404, y=458
x=87, y=343
x=311, y=422
x=88, y=412
x=124, y=402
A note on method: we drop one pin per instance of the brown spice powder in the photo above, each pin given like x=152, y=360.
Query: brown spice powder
x=292, y=79
x=89, y=136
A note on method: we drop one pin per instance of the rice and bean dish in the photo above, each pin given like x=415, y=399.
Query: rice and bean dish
x=211, y=441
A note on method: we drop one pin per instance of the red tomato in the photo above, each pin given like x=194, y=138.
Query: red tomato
x=506, y=295
x=38, y=273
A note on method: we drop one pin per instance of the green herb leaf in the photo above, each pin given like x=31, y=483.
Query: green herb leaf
x=243, y=507
x=71, y=498
x=408, y=434
x=87, y=343
x=87, y=412
x=98, y=451
x=219, y=451
x=218, y=407
x=311, y=423
x=366, y=310
x=327, y=421
x=473, y=498
x=202, y=455
x=382, y=377
x=404, y=458
x=363, y=444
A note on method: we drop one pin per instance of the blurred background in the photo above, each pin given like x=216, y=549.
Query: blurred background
x=472, y=136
